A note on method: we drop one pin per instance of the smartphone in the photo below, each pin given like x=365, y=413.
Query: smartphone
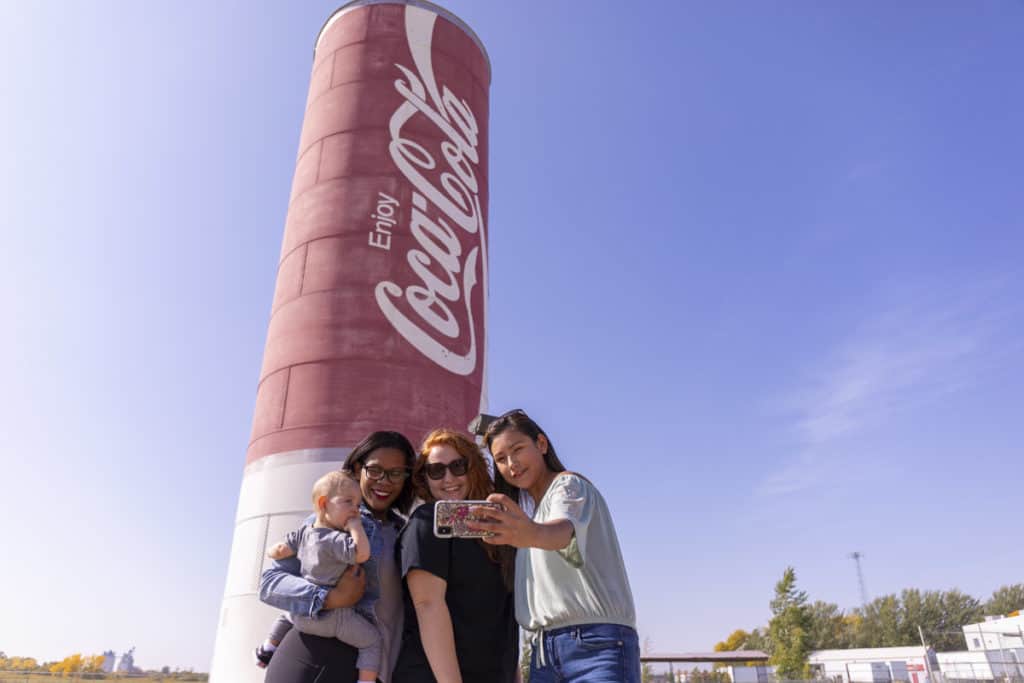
x=450, y=517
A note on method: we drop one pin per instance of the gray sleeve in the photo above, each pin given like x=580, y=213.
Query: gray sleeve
x=343, y=547
x=292, y=540
x=571, y=499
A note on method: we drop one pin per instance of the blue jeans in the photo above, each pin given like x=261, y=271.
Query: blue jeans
x=592, y=653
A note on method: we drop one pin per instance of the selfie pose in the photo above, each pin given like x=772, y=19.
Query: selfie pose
x=459, y=616
x=571, y=589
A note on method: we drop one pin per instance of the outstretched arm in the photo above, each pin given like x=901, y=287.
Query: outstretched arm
x=511, y=526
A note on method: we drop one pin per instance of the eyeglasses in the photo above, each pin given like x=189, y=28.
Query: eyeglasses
x=376, y=473
x=436, y=470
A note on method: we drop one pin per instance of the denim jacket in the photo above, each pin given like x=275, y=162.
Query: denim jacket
x=281, y=585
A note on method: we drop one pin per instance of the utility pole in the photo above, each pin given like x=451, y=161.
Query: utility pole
x=855, y=556
x=927, y=654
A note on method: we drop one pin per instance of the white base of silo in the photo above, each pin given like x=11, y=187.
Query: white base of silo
x=275, y=498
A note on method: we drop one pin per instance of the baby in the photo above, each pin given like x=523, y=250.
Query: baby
x=336, y=540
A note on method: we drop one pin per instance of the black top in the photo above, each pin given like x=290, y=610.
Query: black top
x=482, y=609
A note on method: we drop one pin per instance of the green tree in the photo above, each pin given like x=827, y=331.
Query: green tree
x=1006, y=599
x=958, y=610
x=880, y=623
x=920, y=609
x=789, y=629
x=758, y=640
x=702, y=676
x=893, y=621
x=829, y=627
x=739, y=640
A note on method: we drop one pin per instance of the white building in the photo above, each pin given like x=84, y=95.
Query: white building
x=980, y=665
x=752, y=674
x=995, y=651
x=875, y=665
x=995, y=633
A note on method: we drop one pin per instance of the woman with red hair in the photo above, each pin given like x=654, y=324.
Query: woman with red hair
x=459, y=613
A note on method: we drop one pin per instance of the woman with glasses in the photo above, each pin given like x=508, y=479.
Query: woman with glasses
x=571, y=589
x=383, y=462
x=459, y=615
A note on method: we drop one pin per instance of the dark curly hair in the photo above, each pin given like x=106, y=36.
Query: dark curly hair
x=364, y=448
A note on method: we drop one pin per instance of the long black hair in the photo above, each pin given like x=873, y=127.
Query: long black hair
x=357, y=458
x=521, y=422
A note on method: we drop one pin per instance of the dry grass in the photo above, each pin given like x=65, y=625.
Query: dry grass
x=40, y=677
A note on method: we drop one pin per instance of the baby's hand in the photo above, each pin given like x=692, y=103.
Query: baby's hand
x=353, y=523
x=279, y=551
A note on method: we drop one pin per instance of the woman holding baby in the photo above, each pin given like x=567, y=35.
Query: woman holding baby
x=382, y=462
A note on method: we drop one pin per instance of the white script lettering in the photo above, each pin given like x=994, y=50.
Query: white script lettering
x=438, y=292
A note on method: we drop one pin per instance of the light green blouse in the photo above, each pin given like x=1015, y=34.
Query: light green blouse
x=585, y=582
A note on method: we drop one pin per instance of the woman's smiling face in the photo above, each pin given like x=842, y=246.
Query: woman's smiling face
x=449, y=487
x=519, y=458
x=380, y=494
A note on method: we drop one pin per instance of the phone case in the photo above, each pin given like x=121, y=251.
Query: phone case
x=451, y=516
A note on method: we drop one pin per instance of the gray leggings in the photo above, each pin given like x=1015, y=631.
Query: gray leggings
x=349, y=627
x=280, y=629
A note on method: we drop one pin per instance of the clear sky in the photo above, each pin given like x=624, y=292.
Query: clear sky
x=756, y=267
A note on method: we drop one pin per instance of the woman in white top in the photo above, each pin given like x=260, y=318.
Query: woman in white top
x=572, y=593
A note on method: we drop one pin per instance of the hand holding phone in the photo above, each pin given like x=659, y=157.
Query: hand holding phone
x=452, y=516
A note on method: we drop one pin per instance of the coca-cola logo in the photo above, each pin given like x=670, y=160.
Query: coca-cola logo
x=428, y=313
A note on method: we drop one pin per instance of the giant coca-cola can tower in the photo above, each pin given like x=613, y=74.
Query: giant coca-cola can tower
x=379, y=314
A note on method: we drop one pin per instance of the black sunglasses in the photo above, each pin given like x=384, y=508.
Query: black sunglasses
x=436, y=470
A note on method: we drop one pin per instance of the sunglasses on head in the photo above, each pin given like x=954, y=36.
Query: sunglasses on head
x=436, y=470
x=494, y=423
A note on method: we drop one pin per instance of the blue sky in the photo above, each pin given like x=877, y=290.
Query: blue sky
x=755, y=267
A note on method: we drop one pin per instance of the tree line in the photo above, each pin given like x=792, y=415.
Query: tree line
x=798, y=626
x=82, y=664
x=76, y=663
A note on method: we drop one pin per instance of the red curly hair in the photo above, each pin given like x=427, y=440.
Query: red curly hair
x=480, y=484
